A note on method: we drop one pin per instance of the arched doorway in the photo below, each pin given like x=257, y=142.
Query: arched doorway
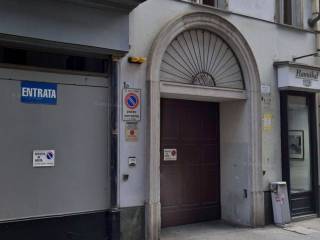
x=240, y=116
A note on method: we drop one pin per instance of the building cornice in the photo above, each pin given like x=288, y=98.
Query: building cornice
x=126, y=5
x=297, y=65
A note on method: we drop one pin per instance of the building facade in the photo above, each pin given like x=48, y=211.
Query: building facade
x=228, y=105
x=98, y=143
x=58, y=86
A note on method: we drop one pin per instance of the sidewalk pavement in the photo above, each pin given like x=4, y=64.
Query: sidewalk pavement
x=304, y=230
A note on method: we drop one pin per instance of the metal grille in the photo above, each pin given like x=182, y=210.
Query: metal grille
x=200, y=57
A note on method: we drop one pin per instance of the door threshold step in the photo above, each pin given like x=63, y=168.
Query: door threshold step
x=304, y=217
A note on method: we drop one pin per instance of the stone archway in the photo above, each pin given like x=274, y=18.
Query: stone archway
x=231, y=35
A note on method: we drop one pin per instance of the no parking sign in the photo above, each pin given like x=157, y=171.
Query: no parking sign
x=131, y=104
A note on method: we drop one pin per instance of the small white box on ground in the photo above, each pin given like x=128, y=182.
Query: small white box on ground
x=280, y=203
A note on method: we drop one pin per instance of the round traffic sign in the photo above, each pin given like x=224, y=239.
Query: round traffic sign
x=132, y=100
x=50, y=155
x=173, y=153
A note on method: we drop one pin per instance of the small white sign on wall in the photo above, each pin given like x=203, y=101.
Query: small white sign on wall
x=44, y=158
x=131, y=104
x=170, y=154
x=265, y=89
x=131, y=132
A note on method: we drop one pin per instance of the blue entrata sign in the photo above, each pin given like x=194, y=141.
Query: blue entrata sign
x=39, y=93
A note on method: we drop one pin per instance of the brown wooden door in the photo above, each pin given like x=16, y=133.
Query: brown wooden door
x=190, y=185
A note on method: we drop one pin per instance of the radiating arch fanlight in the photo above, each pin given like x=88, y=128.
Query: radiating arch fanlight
x=201, y=57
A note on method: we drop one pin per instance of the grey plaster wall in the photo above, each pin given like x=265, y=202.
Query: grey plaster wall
x=234, y=162
x=65, y=22
x=269, y=42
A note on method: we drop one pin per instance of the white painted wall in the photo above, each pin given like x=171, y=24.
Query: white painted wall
x=269, y=42
x=263, y=9
x=132, y=191
x=266, y=9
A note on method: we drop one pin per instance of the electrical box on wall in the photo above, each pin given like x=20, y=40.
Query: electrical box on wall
x=132, y=161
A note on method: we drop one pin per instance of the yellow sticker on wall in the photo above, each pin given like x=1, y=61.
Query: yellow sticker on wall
x=267, y=121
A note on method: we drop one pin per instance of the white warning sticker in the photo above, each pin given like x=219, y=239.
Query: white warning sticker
x=170, y=154
x=44, y=158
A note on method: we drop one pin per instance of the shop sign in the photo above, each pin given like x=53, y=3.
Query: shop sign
x=307, y=74
x=38, y=93
x=131, y=104
x=43, y=158
x=295, y=78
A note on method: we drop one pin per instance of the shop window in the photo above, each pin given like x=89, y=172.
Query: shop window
x=299, y=157
x=14, y=56
x=287, y=12
x=213, y=3
x=53, y=60
x=290, y=12
x=208, y=2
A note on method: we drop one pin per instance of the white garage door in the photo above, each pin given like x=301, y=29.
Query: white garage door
x=76, y=128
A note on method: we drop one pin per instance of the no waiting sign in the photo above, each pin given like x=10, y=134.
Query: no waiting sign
x=131, y=104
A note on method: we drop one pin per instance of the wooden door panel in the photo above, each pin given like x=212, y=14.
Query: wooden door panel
x=211, y=154
x=211, y=131
x=170, y=132
x=191, y=189
x=171, y=176
x=190, y=186
x=188, y=154
x=208, y=196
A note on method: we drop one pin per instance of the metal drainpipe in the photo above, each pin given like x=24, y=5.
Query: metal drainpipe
x=114, y=212
x=316, y=10
x=314, y=22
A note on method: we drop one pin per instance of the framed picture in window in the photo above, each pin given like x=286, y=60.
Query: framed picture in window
x=296, y=144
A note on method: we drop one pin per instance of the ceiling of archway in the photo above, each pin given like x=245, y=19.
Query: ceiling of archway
x=201, y=57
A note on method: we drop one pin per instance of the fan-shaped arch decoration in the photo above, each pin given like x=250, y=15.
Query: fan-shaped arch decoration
x=201, y=57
